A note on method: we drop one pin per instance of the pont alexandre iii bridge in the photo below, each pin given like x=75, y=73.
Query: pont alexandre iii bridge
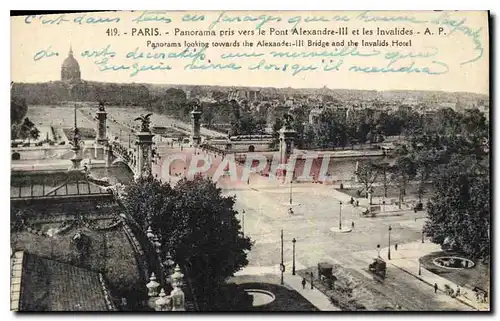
x=99, y=153
x=104, y=152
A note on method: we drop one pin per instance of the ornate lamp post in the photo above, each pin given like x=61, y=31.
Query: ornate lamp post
x=293, y=256
x=340, y=215
x=389, y=249
x=282, y=266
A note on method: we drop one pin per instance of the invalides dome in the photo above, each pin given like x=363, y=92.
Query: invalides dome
x=70, y=69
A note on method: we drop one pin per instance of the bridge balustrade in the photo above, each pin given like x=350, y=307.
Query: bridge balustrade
x=213, y=149
x=124, y=152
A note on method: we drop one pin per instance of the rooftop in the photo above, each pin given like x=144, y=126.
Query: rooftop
x=47, y=285
x=110, y=249
x=39, y=184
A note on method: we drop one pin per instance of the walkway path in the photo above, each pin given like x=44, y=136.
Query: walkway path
x=406, y=258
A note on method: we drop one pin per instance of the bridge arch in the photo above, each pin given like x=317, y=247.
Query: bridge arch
x=251, y=148
x=119, y=161
x=16, y=156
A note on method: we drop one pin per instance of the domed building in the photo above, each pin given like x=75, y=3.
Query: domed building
x=70, y=69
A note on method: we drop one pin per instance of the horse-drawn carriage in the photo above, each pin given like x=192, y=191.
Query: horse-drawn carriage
x=325, y=274
x=378, y=267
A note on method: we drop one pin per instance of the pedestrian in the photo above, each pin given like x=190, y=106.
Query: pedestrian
x=303, y=283
x=357, y=203
x=458, y=291
x=396, y=246
x=352, y=201
x=352, y=225
x=435, y=287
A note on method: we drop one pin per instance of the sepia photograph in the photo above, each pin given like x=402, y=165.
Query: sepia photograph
x=250, y=161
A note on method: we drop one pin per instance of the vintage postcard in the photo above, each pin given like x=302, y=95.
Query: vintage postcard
x=250, y=161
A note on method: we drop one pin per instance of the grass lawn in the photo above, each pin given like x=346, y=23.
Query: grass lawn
x=286, y=299
x=478, y=276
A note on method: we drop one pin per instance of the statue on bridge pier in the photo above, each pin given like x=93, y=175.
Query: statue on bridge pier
x=144, y=155
x=195, y=122
x=288, y=120
x=287, y=143
x=145, y=122
x=102, y=135
x=102, y=106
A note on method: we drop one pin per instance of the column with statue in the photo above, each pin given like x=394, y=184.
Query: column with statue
x=287, y=145
x=196, y=124
x=144, y=142
x=101, y=137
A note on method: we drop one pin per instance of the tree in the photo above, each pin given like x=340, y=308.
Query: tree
x=384, y=168
x=460, y=209
x=219, y=95
x=28, y=130
x=18, y=110
x=208, y=115
x=367, y=173
x=278, y=124
x=403, y=171
x=426, y=161
x=198, y=224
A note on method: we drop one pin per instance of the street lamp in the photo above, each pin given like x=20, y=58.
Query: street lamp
x=128, y=140
x=422, y=236
x=282, y=266
x=291, y=181
x=293, y=256
x=419, y=267
x=340, y=215
x=389, y=249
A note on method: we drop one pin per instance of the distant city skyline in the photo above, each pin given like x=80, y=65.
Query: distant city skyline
x=263, y=87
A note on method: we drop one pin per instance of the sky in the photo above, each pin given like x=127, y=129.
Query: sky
x=449, y=53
